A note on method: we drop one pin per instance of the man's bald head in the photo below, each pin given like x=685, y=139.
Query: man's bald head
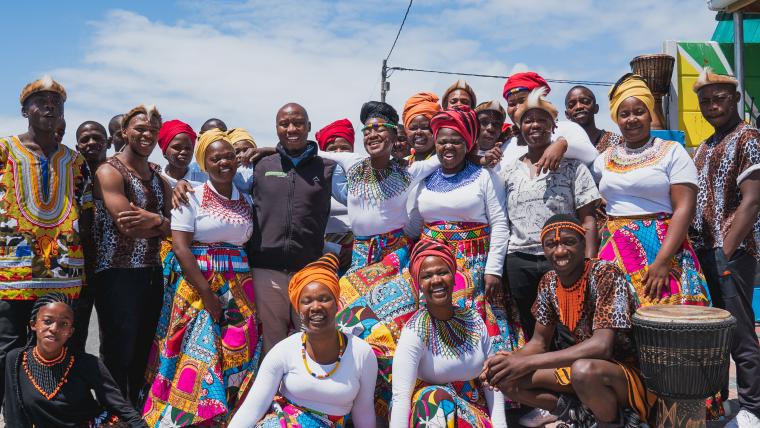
x=293, y=127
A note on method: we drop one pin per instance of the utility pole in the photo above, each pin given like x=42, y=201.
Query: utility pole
x=385, y=85
x=739, y=58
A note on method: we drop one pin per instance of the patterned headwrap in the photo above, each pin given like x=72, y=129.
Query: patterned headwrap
x=323, y=271
x=428, y=247
x=459, y=84
x=707, y=77
x=524, y=82
x=171, y=129
x=460, y=119
x=559, y=222
x=378, y=109
x=340, y=128
x=240, y=134
x=421, y=103
x=630, y=85
x=46, y=83
x=205, y=140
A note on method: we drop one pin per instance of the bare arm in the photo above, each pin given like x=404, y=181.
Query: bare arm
x=745, y=216
x=587, y=215
x=684, y=200
x=181, y=242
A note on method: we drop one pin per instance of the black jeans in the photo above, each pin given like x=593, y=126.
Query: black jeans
x=128, y=302
x=82, y=312
x=523, y=273
x=731, y=286
x=14, y=320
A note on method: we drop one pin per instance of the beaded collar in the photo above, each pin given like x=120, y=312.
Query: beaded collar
x=440, y=183
x=236, y=211
x=47, y=376
x=378, y=185
x=451, y=338
x=621, y=159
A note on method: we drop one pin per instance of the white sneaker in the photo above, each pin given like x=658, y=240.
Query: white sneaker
x=744, y=419
x=536, y=418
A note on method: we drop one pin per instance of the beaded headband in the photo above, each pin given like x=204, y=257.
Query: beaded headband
x=556, y=227
x=516, y=90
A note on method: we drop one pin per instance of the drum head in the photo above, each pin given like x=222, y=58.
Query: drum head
x=681, y=314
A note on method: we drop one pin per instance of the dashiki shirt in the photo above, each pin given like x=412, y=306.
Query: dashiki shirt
x=41, y=202
x=722, y=163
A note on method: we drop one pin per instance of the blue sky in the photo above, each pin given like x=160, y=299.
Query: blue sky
x=242, y=60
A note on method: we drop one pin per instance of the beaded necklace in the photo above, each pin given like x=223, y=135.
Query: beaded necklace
x=236, y=211
x=449, y=338
x=440, y=183
x=622, y=159
x=47, y=376
x=341, y=350
x=571, y=299
x=378, y=185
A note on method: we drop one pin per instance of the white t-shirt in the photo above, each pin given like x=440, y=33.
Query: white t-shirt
x=637, y=182
x=375, y=208
x=578, y=145
x=213, y=218
x=473, y=195
x=351, y=389
x=414, y=360
x=188, y=177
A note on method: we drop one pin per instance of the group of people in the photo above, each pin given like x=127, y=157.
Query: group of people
x=465, y=266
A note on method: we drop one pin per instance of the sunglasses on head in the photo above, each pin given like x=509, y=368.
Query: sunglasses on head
x=377, y=126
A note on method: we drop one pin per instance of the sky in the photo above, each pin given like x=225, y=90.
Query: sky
x=242, y=60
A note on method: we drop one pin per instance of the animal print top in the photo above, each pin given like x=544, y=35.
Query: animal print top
x=116, y=250
x=722, y=163
x=606, y=140
x=608, y=304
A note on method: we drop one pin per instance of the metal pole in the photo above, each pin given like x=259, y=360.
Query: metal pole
x=383, y=81
x=739, y=57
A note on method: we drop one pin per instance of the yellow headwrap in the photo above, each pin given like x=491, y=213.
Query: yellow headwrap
x=240, y=134
x=633, y=86
x=323, y=271
x=205, y=140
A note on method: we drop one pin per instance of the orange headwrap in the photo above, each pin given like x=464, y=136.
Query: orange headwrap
x=422, y=103
x=323, y=271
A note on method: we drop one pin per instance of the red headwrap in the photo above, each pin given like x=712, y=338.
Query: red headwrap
x=171, y=129
x=524, y=82
x=340, y=128
x=428, y=247
x=461, y=119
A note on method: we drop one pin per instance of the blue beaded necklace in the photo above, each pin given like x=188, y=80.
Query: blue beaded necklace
x=438, y=182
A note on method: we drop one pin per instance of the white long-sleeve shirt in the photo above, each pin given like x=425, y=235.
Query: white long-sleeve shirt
x=374, y=216
x=414, y=359
x=473, y=195
x=350, y=389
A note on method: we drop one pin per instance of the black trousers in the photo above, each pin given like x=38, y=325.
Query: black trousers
x=523, y=273
x=732, y=291
x=14, y=320
x=82, y=312
x=128, y=302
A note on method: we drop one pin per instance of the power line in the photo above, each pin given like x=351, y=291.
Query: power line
x=574, y=82
x=399, y=29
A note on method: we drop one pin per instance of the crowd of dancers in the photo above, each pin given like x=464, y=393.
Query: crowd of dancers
x=475, y=260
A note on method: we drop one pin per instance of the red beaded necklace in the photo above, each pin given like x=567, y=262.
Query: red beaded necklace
x=47, y=376
x=570, y=299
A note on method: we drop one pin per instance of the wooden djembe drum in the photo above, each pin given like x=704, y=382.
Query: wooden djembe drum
x=657, y=70
x=684, y=358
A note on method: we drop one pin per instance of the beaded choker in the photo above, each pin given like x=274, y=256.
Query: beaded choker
x=378, y=185
x=451, y=338
x=570, y=299
x=47, y=376
x=341, y=350
x=621, y=159
x=440, y=183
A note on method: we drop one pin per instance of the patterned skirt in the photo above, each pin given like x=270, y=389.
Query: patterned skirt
x=377, y=300
x=458, y=404
x=470, y=243
x=197, y=368
x=284, y=414
x=633, y=243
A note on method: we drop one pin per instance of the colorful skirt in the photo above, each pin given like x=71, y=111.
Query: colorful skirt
x=470, y=243
x=199, y=369
x=376, y=301
x=633, y=243
x=458, y=404
x=285, y=414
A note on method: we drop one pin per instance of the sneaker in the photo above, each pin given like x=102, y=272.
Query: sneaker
x=744, y=419
x=536, y=418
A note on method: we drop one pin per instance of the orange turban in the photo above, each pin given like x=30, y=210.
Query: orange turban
x=323, y=271
x=422, y=103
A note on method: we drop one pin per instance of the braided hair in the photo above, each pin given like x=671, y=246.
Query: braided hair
x=41, y=302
